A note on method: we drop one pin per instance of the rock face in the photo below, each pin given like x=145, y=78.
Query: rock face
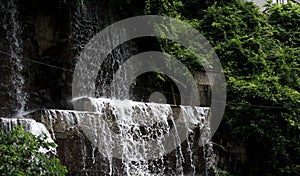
x=47, y=43
x=51, y=33
x=72, y=131
x=32, y=33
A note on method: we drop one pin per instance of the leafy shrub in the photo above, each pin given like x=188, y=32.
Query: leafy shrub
x=20, y=155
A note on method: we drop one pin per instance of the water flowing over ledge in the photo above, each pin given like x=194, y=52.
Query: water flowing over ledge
x=138, y=134
x=116, y=137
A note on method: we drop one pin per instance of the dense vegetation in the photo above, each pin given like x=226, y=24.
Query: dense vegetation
x=260, y=54
x=20, y=155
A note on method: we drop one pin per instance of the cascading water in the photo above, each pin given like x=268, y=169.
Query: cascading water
x=146, y=137
x=13, y=31
x=205, y=139
x=88, y=20
x=133, y=138
x=135, y=125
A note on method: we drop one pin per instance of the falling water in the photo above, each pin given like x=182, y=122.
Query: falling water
x=209, y=155
x=13, y=31
x=135, y=125
x=88, y=20
x=146, y=137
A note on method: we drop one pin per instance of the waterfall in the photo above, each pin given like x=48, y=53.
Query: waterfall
x=146, y=138
x=135, y=138
x=13, y=36
x=89, y=19
x=116, y=137
x=135, y=125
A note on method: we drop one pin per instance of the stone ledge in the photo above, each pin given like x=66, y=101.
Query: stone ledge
x=67, y=121
x=74, y=142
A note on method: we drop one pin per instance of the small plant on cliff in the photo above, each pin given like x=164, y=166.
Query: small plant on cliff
x=20, y=155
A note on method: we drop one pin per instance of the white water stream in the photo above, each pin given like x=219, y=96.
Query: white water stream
x=139, y=134
x=13, y=32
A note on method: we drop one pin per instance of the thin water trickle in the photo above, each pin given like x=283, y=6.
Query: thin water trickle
x=209, y=155
x=177, y=145
x=13, y=36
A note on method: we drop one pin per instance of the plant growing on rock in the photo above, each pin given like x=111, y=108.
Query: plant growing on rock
x=20, y=155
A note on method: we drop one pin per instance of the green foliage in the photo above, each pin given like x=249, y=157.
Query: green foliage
x=261, y=62
x=260, y=54
x=286, y=21
x=163, y=7
x=19, y=155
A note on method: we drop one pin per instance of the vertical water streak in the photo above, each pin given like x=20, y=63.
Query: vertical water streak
x=84, y=154
x=134, y=124
x=209, y=155
x=13, y=36
x=89, y=19
x=179, y=154
x=188, y=114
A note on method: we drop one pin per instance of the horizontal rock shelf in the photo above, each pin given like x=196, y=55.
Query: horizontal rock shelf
x=89, y=141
